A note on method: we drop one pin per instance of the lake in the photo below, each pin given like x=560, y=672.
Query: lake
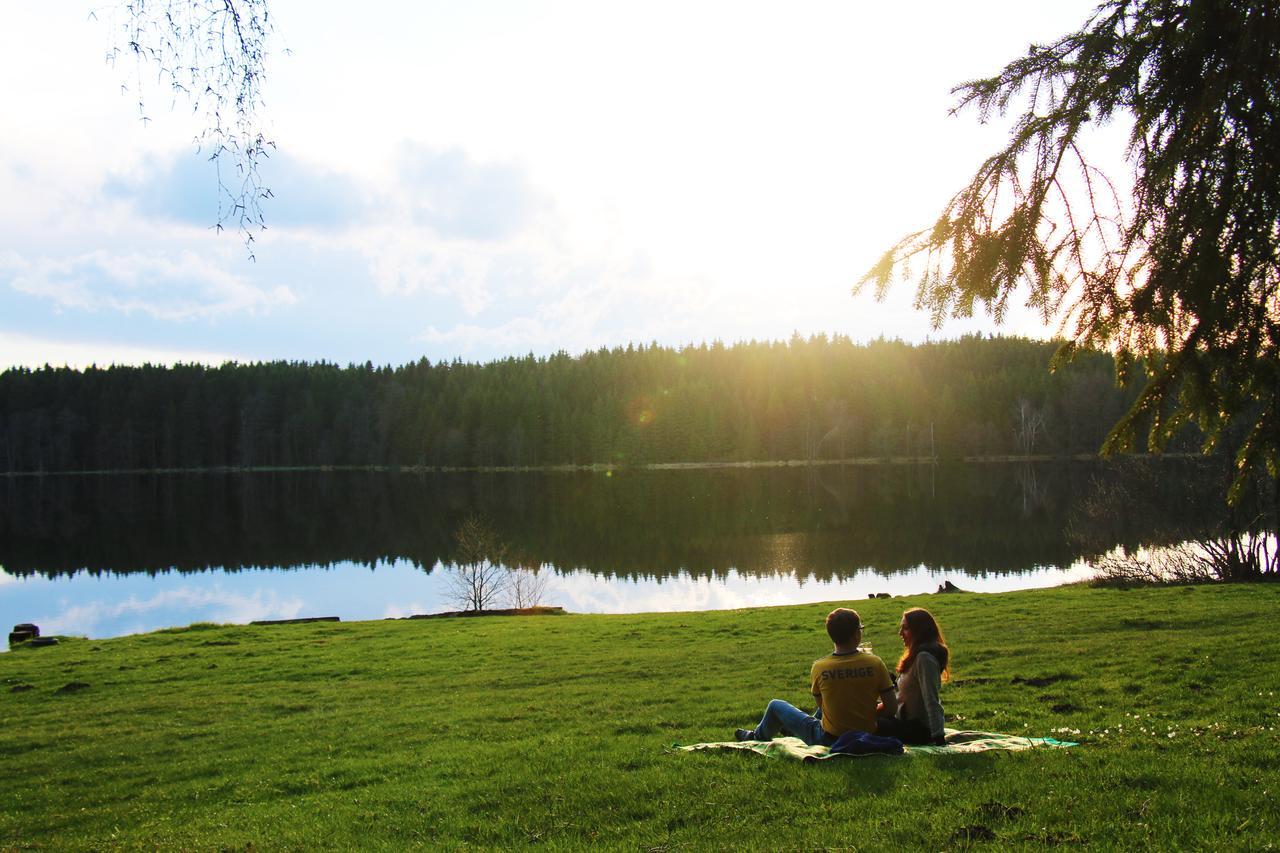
x=104, y=556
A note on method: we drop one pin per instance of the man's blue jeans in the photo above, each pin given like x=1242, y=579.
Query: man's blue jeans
x=784, y=717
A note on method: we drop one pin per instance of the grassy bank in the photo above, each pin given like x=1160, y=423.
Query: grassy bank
x=504, y=731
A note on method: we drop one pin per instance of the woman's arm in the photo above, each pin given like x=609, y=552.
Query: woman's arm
x=928, y=676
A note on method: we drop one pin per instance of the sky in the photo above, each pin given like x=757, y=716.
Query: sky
x=478, y=180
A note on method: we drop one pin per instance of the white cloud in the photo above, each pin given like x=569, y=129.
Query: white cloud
x=513, y=335
x=572, y=322
x=213, y=605
x=460, y=228
x=185, y=286
x=404, y=261
x=459, y=197
x=19, y=350
x=185, y=187
x=395, y=610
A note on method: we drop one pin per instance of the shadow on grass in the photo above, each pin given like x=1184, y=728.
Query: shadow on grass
x=866, y=775
x=1130, y=624
x=971, y=766
x=871, y=774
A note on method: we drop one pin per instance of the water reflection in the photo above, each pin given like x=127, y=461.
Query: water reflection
x=737, y=590
x=110, y=555
x=112, y=606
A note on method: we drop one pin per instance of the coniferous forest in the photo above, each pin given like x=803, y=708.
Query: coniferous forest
x=806, y=399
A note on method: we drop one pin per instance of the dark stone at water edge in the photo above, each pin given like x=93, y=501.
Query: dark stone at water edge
x=23, y=632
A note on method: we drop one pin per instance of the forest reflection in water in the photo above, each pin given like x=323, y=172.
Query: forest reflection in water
x=111, y=555
x=813, y=523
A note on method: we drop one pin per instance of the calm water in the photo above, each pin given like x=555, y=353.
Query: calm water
x=105, y=556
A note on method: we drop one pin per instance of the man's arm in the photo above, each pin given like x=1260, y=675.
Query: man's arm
x=888, y=699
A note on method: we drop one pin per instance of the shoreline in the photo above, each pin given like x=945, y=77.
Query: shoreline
x=612, y=467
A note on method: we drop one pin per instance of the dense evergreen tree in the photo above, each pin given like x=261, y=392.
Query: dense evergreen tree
x=1186, y=271
x=804, y=399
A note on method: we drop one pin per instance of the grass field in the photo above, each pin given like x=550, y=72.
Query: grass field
x=555, y=730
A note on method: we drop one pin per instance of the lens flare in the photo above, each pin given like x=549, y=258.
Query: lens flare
x=640, y=411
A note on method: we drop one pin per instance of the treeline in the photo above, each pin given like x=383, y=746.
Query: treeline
x=820, y=398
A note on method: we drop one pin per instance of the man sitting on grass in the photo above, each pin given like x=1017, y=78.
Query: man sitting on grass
x=846, y=684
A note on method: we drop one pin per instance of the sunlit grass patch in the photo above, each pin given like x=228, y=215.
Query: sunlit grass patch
x=509, y=731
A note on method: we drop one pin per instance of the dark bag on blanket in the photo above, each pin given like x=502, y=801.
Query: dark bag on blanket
x=863, y=743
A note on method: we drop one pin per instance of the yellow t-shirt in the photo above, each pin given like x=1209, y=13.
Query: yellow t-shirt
x=848, y=687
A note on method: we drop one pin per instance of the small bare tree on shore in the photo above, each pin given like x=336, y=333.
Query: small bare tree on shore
x=486, y=572
x=526, y=586
x=478, y=578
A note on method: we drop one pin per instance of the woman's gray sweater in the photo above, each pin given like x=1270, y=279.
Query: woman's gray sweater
x=918, y=693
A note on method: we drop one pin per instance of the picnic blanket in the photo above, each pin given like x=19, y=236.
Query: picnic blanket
x=958, y=743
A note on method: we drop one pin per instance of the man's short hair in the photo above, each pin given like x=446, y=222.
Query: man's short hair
x=842, y=624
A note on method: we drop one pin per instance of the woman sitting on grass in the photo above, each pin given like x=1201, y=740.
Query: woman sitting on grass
x=921, y=671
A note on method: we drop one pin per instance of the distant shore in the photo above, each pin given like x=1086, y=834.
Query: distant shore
x=601, y=467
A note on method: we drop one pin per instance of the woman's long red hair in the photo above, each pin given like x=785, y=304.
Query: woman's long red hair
x=925, y=632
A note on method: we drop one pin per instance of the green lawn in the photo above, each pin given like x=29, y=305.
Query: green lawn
x=514, y=730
